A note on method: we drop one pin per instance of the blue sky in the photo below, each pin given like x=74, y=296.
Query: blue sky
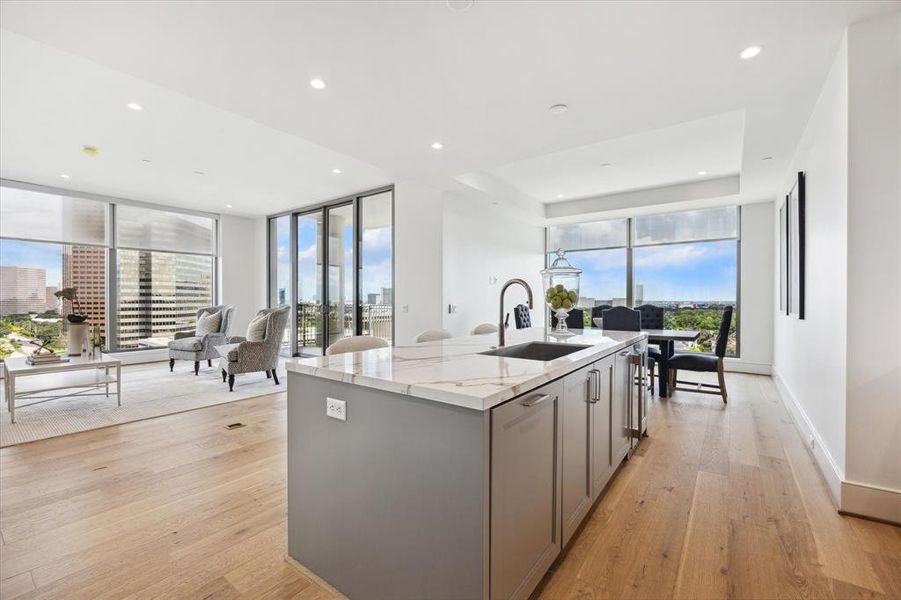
x=692, y=272
x=14, y=253
x=376, y=251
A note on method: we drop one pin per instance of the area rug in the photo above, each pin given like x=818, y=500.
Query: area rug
x=148, y=390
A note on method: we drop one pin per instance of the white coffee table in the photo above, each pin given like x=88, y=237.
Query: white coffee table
x=79, y=373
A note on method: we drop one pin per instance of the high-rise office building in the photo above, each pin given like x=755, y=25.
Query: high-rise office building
x=84, y=267
x=22, y=290
x=159, y=294
x=52, y=300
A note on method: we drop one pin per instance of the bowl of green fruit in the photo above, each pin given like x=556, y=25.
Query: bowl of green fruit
x=561, y=291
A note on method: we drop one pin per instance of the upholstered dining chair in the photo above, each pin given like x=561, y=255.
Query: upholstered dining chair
x=433, y=335
x=621, y=318
x=652, y=318
x=522, y=317
x=211, y=330
x=259, y=350
x=597, y=312
x=695, y=361
x=356, y=343
x=574, y=320
x=483, y=328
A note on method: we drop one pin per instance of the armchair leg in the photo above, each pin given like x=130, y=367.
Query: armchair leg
x=171, y=365
x=268, y=375
x=224, y=375
x=231, y=383
x=274, y=376
x=209, y=362
x=196, y=367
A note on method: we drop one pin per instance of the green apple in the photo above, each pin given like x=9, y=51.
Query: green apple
x=555, y=302
x=567, y=304
x=573, y=296
x=560, y=288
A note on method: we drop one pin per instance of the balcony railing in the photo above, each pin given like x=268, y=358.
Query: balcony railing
x=375, y=320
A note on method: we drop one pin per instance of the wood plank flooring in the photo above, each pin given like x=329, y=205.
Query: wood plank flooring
x=719, y=502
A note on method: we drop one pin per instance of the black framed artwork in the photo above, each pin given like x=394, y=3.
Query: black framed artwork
x=795, y=259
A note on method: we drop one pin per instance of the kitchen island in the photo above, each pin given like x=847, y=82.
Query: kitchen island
x=436, y=470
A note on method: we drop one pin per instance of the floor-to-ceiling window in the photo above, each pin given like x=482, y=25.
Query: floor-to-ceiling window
x=280, y=282
x=140, y=272
x=341, y=266
x=687, y=262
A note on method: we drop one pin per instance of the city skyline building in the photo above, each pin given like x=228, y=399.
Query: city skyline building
x=23, y=290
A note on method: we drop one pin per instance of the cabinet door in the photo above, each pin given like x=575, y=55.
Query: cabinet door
x=579, y=392
x=619, y=413
x=601, y=462
x=525, y=491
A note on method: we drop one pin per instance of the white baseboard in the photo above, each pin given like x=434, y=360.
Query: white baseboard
x=832, y=473
x=737, y=365
x=871, y=501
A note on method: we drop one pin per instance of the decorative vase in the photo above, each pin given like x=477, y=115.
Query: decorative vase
x=561, y=291
x=78, y=338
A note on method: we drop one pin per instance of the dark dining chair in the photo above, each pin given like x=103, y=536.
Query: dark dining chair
x=695, y=361
x=652, y=318
x=597, y=312
x=522, y=316
x=574, y=320
x=621, y=318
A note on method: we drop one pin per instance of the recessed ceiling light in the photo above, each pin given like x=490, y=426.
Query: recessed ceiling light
x=146, y=160
x=437, y=145
x=767, y=158
x=558, y=109
x=91, y=151
x=317, y=84
x=198, y=172
x=606, y=164
x=336, y=171
x=64, y=175
x=702, y=172
x=750, y=52
x=561, y=195
x=134, y=106
x=228, y=206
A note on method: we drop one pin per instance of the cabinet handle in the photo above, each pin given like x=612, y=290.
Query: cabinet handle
x=535, y=400
x=594, y=386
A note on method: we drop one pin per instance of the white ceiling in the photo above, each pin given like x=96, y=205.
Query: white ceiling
x=705, y=148
x=225, y=86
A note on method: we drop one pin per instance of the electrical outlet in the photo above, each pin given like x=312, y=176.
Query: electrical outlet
x=336, y=409
x=405, y=308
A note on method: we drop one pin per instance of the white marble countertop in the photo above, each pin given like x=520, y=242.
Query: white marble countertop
x=452, y=371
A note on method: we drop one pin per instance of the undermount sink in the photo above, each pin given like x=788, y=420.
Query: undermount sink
x=543, y=351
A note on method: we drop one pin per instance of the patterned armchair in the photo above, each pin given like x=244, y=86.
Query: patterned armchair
x=241, y=355
x=187, y=345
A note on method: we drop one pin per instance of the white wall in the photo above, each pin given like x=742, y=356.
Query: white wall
x=242, y=267
x=756, y=293
x=874, y=259
x=484, y=246
x=417, y=259
x=809, y=354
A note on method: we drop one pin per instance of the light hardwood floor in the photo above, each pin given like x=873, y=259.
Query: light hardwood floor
x=720, y=502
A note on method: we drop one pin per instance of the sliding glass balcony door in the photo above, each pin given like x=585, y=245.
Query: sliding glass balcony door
x=339, y=273
x=310, y=296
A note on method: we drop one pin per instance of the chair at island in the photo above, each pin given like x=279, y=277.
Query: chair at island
x=652, y=318
x=433, y=335
x=483, y=328
x=259, y=350
x=212, y=329
x=356, y=343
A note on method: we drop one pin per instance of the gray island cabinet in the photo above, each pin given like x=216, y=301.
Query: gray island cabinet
x=436, y=471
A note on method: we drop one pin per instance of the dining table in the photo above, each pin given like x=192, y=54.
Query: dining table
x=666, y=339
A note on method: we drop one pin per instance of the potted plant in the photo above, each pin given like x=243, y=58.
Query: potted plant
x=71, y=294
